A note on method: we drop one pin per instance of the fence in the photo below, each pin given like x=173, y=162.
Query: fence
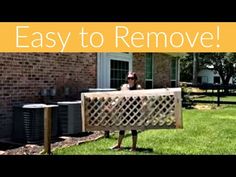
x=211, y=90
x=134, y=109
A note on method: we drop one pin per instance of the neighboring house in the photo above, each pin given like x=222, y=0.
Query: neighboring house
x=211, y=77
x=24, y=76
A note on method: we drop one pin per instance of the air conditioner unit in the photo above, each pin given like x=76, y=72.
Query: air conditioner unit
x=70, y=119
x=28, y=123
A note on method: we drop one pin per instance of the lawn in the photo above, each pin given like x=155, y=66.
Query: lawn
x=214, y=98
x=205, y=132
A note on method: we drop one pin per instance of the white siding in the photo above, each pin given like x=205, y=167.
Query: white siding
x=208, y=76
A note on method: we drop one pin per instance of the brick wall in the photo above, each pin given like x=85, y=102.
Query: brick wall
x=139, y=67
x=162, y=69
x=24, y=75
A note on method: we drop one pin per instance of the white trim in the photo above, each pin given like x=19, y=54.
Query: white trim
x=104, y=66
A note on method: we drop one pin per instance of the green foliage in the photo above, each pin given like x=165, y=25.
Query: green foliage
x=223, y=63
x=186, y=100
x=186, y=68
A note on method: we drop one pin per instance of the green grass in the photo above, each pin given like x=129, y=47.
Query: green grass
x=204, y=132
x=214, y=98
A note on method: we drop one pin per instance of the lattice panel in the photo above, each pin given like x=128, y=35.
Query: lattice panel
x=136, y=109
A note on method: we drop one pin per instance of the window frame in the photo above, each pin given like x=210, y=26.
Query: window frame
x=149, y=80
x=176, y=71
x=104, y=66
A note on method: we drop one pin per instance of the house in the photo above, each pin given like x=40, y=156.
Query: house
x=28, y=77
x=209, y=76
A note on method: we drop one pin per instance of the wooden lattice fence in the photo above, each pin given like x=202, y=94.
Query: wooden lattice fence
x=133, y=109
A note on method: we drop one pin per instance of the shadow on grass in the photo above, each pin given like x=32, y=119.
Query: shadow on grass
x=138, y=149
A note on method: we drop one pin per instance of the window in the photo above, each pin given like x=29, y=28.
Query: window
x=216, y=80
x=199, y=79
x=149, y=71
x=111, y=68
x=173, y=77
x=234, y=79
x=119, y=70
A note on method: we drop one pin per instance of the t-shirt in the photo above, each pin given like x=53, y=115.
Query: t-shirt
x=127, y=87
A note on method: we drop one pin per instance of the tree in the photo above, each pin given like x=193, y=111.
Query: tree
x=223, y=63
x=195, y=68
x=186, y=68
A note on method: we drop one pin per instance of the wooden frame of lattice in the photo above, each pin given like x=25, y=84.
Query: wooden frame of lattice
x=132, y=109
